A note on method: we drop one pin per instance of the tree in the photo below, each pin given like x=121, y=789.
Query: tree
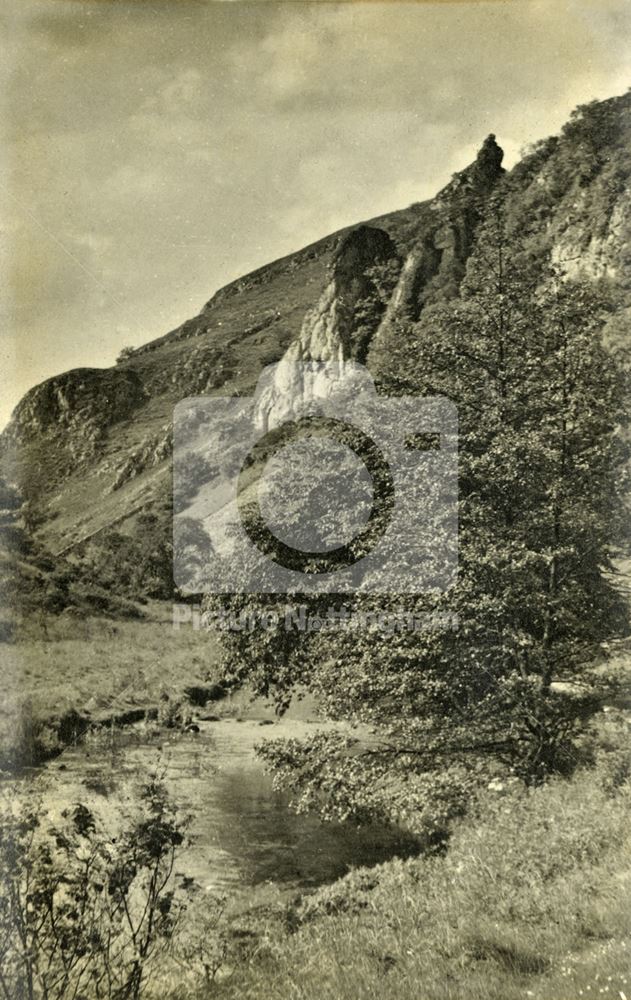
x=137, y=560
x=541, y=405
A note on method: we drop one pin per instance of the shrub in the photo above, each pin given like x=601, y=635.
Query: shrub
x=82, y=913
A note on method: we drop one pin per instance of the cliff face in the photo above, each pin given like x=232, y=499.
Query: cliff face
x=603, y=251
x=78, y=400
x=570, y=194
x=352, y=308
x=337, y=329
x=91, y=447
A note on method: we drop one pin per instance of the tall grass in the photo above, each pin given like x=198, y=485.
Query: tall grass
x=93, y=667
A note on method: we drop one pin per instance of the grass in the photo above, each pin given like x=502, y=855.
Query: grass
x=97, y=667
x=531, y=899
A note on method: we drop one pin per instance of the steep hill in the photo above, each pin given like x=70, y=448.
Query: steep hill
x=90, y=450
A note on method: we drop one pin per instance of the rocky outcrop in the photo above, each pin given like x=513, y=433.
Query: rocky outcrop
x=570, y=194
x=77, y=408
x=153, y=450
x=108, y=394
x=435, y=266
x=339, y=327
x=330, y=331
x=196, y=371
x=579, y=251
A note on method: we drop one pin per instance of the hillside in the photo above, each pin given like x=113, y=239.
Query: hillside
x=481, y=723
x=90, y=450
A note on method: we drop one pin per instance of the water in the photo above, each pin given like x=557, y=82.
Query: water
x=242, y=832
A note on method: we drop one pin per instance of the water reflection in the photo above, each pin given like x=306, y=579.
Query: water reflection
x=242, y=833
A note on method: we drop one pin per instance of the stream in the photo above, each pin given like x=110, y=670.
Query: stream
x=242, y=832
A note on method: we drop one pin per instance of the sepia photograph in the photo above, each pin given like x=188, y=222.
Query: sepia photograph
x=315, y=500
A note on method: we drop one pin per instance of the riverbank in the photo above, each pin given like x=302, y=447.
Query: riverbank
x=531, y=899
x=63, y=675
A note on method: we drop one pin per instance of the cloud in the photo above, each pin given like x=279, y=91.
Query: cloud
x=132, y=181
x=170, y=147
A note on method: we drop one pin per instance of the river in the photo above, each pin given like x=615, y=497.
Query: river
x=242, y=833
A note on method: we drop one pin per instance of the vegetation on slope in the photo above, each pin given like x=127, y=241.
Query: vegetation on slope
x=529, y=900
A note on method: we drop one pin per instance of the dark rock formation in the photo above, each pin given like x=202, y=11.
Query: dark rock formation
x=62, y=426
x=329, y=330
x=435, y=266
x=95, y=395
x=487, y=166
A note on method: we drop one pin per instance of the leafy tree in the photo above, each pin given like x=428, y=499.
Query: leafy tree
x=191, y=549
x=541, y=405
x=136, y=561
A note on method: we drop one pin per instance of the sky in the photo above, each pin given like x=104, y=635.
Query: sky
x=154, y=150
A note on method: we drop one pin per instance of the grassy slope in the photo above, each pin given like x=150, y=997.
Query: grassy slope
x=98, y=667
x=531, y=900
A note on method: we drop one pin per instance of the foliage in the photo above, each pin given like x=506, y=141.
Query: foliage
x=82, y=912
x=125, y=354
x=192, y=471
x=32, y=579
x=191, y=550
x=34, y=737
x=369, y=310
x=542, y=518
x=201, y=948
x=137, y=561
x=540, y=407
x=595, y=129
x=173, y=711
x=10, y=498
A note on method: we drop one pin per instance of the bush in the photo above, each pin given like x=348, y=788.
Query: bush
x=82, y=913
x=30, y=739
x=172, y=712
